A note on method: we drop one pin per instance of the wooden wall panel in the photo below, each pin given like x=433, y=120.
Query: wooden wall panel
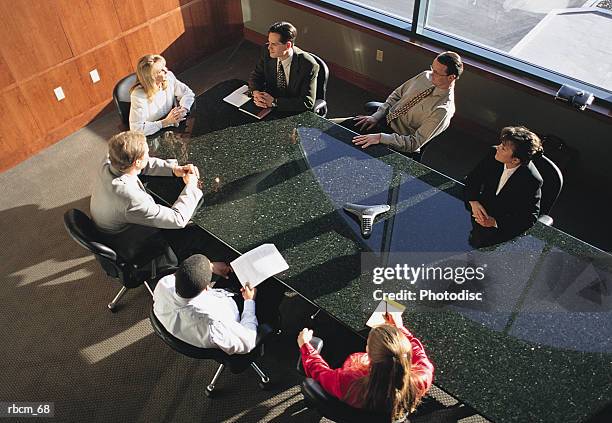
x=202, y=26
x=50, y=43
x=32, y=36
x=174, y=42
x=18, y=129
x=88, y=23
x=130, y=13
x=6, y=78
x=49, y=112
x=139, y=43
x=227, y=18
x=157, y=8
x=112, y=62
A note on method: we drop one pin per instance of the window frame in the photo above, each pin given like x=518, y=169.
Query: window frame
x=417, y=29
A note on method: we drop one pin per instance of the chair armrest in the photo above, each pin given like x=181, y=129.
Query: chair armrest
x=546, y=219
x=317, y=344
x=263, y=333
x=371, y=106
x=320, y=107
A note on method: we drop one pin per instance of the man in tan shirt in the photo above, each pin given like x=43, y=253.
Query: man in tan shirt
x=416, y=111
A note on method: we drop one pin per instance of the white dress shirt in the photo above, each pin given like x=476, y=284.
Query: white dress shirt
x=506, y=174
x=209, y=320
x=286, y=65
x=146, y=114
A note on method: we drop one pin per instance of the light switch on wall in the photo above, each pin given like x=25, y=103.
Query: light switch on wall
x=59, y=93
x=95, y=76
x=379, y=55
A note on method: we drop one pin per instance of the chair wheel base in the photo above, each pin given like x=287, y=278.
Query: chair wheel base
x=112, y=307
x=210, y=393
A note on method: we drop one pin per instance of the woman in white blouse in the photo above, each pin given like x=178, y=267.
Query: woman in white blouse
x=158, y=99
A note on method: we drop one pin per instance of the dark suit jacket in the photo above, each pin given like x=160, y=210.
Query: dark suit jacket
x=301, y=92
x=517, y=206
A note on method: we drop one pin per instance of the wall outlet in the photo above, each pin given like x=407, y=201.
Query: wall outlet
x=379, y=55
x=59, y=93
x=95, y=76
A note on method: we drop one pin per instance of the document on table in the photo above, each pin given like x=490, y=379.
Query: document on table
x=395, y=309
x=238, y=97
x=241, y=99
x=258, y=265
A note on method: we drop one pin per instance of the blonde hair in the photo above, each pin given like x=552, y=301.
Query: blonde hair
x=388, y=384
x=125, y=148
x=144, y=74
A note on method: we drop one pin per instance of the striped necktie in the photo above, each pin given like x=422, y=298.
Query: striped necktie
x=281, y=80
x=409, y=105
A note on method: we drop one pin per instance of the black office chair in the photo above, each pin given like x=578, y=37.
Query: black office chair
x=237, y=363
x=371, y=106
x=121, y=97
x=320, y=106
x=132, y=273
x=551, y=187
x=332, y=408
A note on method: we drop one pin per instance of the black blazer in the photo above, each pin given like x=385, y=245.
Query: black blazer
x=517, y=206
x=301, y=92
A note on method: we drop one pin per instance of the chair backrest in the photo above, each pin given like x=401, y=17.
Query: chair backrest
x=121, y=97
x=322, y=78
x=183, y=347
x=552, y=182
x=84, y=232
x=331, y=407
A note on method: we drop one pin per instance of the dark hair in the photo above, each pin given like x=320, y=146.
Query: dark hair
x=286, y=31
x=452, y=61
x=193, y=276
x=524, y=143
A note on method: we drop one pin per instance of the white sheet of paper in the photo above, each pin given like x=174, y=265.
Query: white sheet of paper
x=238, y=97
x=259, y=264
x=395, y=309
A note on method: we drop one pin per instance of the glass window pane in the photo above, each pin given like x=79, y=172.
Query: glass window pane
x=400, y=9
x=569, y=37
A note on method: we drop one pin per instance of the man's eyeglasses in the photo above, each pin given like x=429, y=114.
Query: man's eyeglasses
x=435, y=72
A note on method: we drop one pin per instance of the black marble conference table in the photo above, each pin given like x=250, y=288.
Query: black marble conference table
x=535, y=347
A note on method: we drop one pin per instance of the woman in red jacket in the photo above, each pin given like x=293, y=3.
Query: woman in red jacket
x=393, y=374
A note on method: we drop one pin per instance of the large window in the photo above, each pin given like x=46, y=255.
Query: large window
x=565, y=41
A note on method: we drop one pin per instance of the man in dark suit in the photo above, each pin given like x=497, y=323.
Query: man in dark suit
x=503, y=191
x=285, y=77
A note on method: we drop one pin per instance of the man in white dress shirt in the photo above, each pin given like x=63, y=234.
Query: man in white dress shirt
x=415, y=112
x=194, y=312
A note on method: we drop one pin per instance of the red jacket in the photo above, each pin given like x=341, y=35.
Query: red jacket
x=338, y=381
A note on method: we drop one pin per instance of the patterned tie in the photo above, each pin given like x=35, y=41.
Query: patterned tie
x=281, y=80
x=409, y=105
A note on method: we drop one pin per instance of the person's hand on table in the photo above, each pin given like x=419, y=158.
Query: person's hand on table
x=263, y=99
x=365, y=123
x=221, y=268
x=479, y=212
x=180, y=171
x=367, y=140
x=304, y=336
x=248, y=293
x=192, y=178
x=174, y=116
x=488, y=222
